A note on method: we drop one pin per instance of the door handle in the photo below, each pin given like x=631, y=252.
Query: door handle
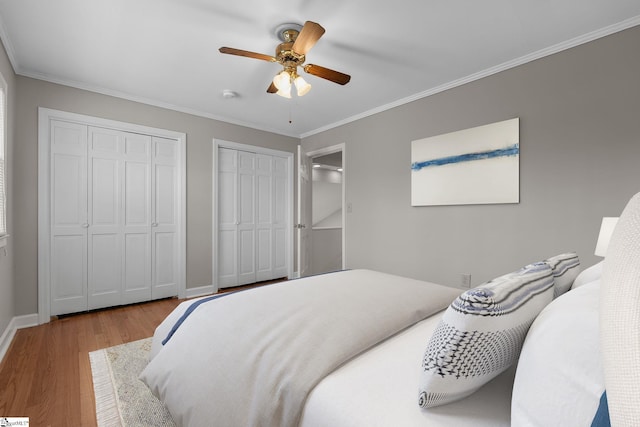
x=154, y=224
x=85, y=225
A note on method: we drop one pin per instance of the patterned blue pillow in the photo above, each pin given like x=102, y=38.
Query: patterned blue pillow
x=566, y=268
x=481, y=334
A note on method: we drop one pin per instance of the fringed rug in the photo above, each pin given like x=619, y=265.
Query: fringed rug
x=122, y=400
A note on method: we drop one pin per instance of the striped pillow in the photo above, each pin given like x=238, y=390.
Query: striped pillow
x=566, y=268
x=481, y=334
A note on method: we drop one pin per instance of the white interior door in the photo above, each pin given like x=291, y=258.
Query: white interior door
x=303, y=227
x=68, y=240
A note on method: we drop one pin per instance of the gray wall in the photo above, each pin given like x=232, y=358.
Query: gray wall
x=200, y=133
x=579, y=161
x=7, y=302
x=580, y=145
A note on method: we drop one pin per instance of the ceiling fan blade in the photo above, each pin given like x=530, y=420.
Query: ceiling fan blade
x=246, y=53
x=309, y=35
x=272, y=88
x=326, y=73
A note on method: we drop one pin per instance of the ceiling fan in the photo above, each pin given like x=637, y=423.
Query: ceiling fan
x=296, y=42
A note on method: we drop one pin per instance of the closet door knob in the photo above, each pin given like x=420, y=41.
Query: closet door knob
x=85, y=225
x=154, y=224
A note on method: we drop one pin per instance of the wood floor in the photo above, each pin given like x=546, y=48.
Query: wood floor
x=46, y=374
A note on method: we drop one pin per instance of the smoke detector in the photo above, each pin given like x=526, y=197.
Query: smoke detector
x=229, y=94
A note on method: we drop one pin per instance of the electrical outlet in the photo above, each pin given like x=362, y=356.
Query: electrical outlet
x=465, y=280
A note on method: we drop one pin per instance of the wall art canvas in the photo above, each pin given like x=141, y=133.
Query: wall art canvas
x=480, y=165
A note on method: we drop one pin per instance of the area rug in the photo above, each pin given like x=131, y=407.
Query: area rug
x=122, y=400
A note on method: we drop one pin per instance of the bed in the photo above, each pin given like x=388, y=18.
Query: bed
x=363, y=348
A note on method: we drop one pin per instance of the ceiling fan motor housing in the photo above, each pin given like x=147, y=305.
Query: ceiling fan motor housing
x=287, y=57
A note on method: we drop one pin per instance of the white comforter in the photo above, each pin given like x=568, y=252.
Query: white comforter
x=251, y=358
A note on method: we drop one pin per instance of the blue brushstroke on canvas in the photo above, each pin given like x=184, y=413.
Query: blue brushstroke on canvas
x=512, y=150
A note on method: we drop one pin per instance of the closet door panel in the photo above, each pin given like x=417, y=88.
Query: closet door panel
x=227, y=207
x=246, y=218
x=165, y=265
x=105, y=193
x=137, y=218
x=105, y=270
x=264, y=217
x=68, y=273
x=227, y=258
x=68, y=240
x=137, y=275
x=247, y=259
x=264, y=269
x=280, y=253
x=105, y=219
x=279, y=248
x=165, y=213
x=137, y=194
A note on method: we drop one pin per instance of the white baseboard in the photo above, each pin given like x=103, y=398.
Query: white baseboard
x=16, y=323
x=201, y=291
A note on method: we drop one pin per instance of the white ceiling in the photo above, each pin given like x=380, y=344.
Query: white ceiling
x=165, y=52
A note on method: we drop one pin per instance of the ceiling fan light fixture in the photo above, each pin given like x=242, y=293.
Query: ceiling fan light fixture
x=282, y=80
x=285, y=93
x=302, y=86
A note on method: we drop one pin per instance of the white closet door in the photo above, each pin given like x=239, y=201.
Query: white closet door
x=264, y=217
x=252, y=216
x=227, y=206
x=279, y=197
x=105, y=219
x=246, y=218
x=164, y=235
x=68, y=274
x=136, y=212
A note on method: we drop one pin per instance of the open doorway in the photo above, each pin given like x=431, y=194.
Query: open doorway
x=327, y=238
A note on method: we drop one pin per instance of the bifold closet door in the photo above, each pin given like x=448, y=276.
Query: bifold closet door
x=114, y=217
x=252, y=217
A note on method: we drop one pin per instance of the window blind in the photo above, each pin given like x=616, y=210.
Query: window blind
x=3, y=138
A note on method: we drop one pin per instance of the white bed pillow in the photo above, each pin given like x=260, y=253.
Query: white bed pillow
x=566, y=268
x=481, y=334
x=588, y=275
x=560, y=378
